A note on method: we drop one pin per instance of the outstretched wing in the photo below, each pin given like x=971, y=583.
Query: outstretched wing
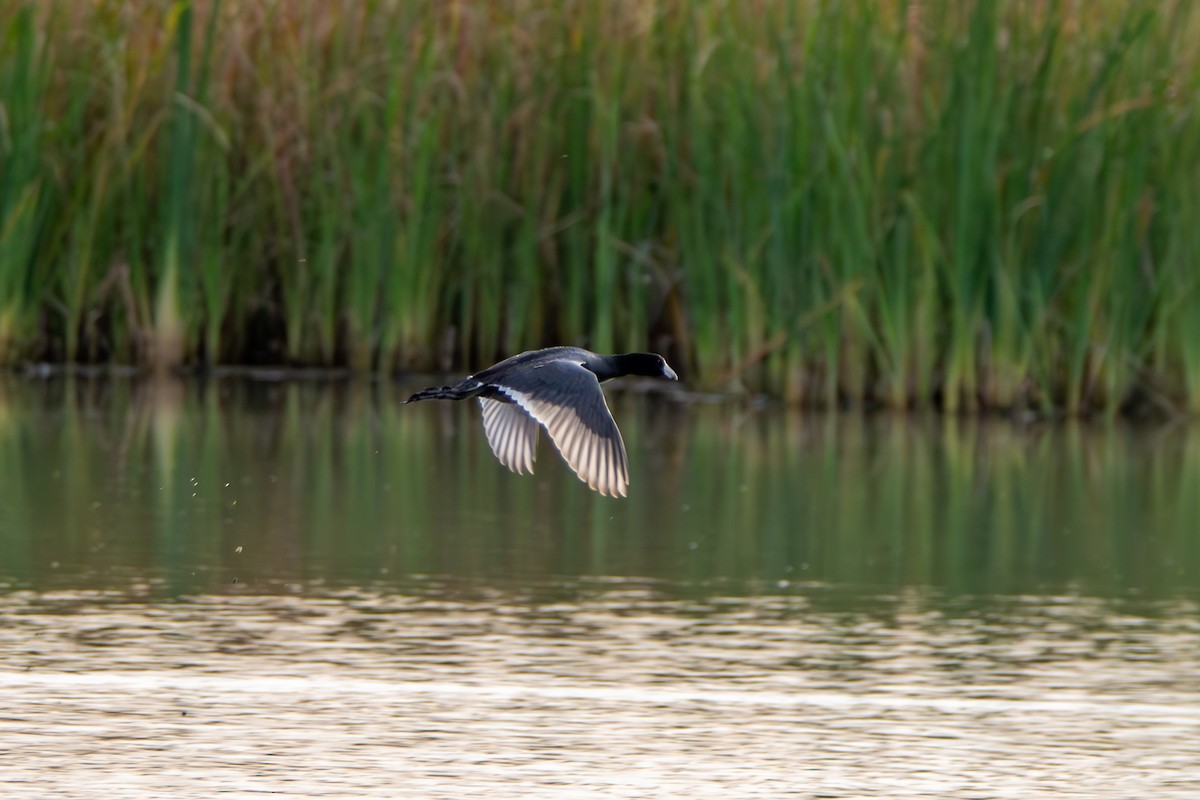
x=512, y=434
x=566, y=399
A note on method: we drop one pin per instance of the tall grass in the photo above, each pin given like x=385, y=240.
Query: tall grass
x=981, y=205
x=24, y=77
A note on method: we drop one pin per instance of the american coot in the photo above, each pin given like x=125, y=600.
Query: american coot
x=559, y=389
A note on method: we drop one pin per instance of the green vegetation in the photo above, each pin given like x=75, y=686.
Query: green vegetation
x=968, y=205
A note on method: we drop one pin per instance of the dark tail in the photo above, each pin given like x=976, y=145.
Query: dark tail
x=439, y=393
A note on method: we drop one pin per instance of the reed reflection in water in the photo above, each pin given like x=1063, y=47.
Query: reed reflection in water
x=201, y=484
x=306, y=590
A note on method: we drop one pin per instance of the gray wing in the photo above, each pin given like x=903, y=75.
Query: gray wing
x=512, y=434
x=566, y=399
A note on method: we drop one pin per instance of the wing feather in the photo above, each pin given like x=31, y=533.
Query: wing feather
x=567, y=400
x=511, y=433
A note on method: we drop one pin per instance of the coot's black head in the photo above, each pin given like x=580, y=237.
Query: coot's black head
x=651, y=365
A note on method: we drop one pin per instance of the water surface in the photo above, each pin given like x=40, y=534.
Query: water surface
x=245, y=588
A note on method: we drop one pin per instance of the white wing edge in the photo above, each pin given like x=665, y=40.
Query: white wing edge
x=511, y=433
x=598, y=461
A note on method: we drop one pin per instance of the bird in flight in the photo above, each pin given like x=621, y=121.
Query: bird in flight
x=557, y=388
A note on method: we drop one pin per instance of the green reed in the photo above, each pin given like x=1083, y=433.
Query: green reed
x=961, y=205
x=24, y=76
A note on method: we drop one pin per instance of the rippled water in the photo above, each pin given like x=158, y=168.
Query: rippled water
x=243, y=590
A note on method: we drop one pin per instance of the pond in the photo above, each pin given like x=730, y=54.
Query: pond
x=309, y=589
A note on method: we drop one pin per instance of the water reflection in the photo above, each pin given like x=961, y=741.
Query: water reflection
x=205, y=484
x=619, y=692
x=248, y=587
